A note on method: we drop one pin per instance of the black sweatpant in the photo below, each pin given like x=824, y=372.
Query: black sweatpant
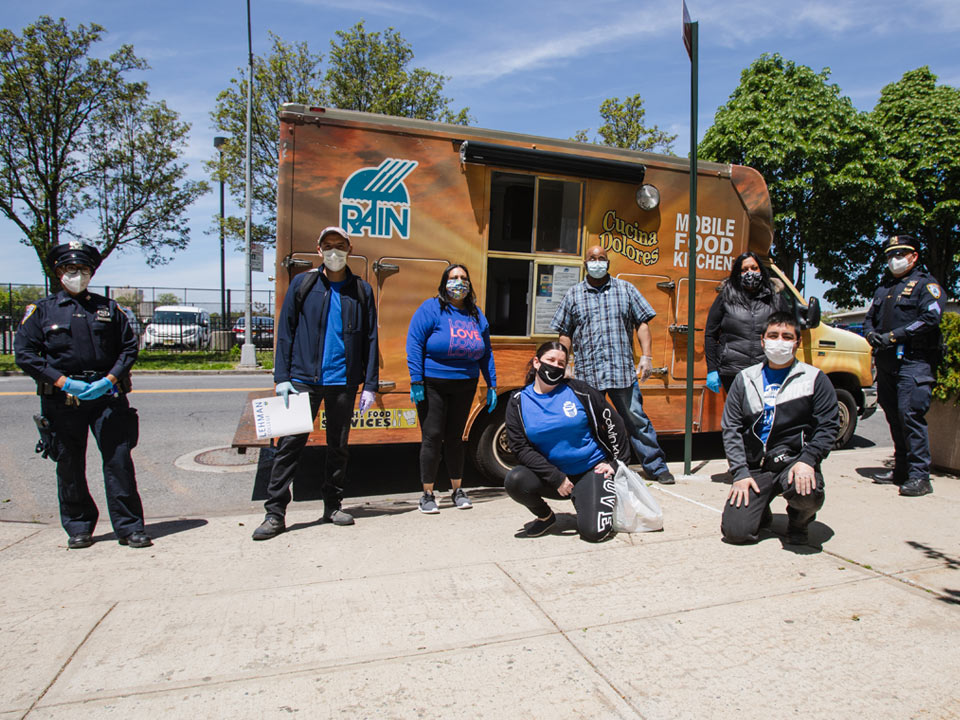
x=741, y=525
x=443, y=415
x=593, y=497
x=338, y=405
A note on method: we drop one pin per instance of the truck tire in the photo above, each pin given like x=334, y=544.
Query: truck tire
x=489, y=450
x=848, y=418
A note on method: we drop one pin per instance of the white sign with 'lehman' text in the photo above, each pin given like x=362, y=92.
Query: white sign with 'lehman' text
x=273, y=419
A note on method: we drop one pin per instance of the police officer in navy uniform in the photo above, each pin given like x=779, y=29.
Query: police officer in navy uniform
x=903, y=326
x=79, y=347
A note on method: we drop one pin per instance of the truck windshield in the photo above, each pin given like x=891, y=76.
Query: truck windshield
x=176, y=317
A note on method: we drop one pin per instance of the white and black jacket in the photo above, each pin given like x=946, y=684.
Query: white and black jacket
x=805, y=421
x=605, y=424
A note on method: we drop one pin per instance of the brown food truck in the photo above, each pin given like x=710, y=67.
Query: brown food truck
x=520, y=211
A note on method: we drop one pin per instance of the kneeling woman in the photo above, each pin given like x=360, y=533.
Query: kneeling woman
x=568, y=440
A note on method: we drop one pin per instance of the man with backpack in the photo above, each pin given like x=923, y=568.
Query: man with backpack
x=327, y=347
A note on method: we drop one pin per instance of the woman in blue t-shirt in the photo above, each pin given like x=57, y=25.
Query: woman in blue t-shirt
x=448, y=346
x=568, y=440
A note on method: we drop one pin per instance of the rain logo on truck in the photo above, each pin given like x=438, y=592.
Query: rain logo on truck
x=374, y=201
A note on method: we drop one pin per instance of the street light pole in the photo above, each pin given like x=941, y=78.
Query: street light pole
x=248, y=355
x=218, y=143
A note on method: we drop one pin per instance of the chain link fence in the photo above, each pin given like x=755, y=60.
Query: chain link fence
x=215, y=326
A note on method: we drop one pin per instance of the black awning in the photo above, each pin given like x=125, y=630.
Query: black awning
x=533, y=160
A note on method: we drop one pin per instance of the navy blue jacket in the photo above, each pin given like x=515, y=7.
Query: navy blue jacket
x=300, y=338
x=66, y=335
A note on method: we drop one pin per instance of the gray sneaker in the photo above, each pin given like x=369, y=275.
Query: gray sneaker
x=428, y=504
x=270, y=527
x=460, y=499
x=337, y=517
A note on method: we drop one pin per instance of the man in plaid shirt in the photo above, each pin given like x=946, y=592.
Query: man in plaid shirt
x=597, y=317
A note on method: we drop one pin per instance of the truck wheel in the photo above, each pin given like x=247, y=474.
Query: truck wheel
x=490, y=451
x=848, y=418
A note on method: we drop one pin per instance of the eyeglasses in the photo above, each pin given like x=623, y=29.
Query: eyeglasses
x=71, y=268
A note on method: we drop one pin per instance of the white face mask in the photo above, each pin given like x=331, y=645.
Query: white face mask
x=335, y=260
x=898, y=264
x=597, y=268
x=779, y=352
x=75, y=282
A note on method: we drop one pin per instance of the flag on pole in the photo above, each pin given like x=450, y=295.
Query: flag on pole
x=687, y=31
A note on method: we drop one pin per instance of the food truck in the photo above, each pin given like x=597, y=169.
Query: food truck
x=520, y=212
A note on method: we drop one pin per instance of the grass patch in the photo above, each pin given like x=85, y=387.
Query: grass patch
x=188, y=360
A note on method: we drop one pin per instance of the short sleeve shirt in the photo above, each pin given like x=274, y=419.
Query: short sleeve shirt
x=601, y=322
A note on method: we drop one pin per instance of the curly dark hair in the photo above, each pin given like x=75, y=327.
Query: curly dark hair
x=469, y=302
x=733, y=291
x=541, y=351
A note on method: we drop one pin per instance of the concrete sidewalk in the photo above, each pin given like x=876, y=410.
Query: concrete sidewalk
x=411, y=616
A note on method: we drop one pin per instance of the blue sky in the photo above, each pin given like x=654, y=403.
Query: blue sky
x=539, y=67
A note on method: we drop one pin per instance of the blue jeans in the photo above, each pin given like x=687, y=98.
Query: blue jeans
x=629, y=404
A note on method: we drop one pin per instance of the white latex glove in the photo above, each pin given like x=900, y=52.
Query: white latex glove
x=645, y=367
x=366, y=400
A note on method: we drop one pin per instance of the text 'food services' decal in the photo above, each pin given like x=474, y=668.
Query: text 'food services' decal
x=395, y=419
x=375, y=202
x=714, y=242
x=626, y=238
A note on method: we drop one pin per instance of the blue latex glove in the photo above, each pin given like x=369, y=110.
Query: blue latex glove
x=96, y=389
x=284, y=389
x=713, y=381
x=491, y=399
x=417, y=393
x=75, y=387
x=366, y=400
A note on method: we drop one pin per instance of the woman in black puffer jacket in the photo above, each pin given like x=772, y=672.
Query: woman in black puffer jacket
x=737, y=320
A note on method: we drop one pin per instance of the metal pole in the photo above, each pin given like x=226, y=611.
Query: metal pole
x=248, y=354
x=218, y=144
x=691, y=253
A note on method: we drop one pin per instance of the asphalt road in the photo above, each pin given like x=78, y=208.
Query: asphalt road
x=182, y=414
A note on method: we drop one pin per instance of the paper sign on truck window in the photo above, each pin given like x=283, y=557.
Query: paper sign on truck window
x=273, y=419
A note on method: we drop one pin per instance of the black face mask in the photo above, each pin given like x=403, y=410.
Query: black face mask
x=751, y=279
x=550, y=374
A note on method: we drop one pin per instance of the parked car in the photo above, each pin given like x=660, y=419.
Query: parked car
x=182, y=326
x=262, y=326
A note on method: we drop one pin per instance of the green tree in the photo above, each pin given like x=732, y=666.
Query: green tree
x=371, y=73
x=829, y=182
x=920, y=122
x=623, y=127
x=56, y=103
x=366, y=71
x=290, y=73
x=167, y=298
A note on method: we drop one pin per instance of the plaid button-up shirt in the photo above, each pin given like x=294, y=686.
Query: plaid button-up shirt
x=601, y=321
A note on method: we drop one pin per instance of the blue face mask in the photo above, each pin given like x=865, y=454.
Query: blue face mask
x=597, y=268
x=458, y=289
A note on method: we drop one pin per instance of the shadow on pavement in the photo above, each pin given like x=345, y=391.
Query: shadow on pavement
x=953, y=563
x=162, y=528
x=870, y=471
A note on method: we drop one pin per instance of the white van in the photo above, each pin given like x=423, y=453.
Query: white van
x=182, y=326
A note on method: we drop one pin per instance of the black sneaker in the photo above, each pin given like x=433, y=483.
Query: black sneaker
x=887, y=478
x=337, y=517
x=79, y=541
x=270, y=527
x=666, y=478
x=137, y=539
x=538, y=527
x=915, y=487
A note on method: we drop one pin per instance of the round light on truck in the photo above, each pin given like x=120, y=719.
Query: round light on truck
x=648, y=197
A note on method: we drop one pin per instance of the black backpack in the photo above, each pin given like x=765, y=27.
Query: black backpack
x=307, y=285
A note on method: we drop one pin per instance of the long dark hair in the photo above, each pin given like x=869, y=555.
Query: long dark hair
x=541, y=351
x=469, y=301
x=733, y=291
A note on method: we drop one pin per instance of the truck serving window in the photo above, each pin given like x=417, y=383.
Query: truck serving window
x=529, y=215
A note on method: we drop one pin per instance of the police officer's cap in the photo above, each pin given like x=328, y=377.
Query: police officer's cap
x=74, y=253
x=899, y=243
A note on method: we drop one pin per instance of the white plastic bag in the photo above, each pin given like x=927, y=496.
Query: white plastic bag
x=636, y=509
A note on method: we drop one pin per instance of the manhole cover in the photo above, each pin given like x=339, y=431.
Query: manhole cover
x=227, y=457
